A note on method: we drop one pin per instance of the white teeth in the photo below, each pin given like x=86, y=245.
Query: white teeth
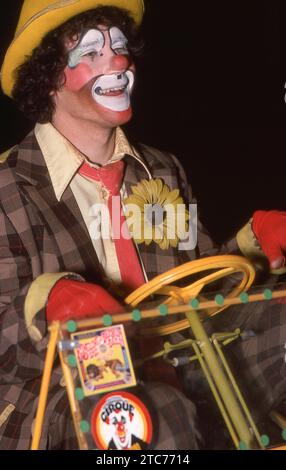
x=115, y=89
x=109, y=90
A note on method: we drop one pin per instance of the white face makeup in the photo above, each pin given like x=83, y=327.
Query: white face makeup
x=91, y=43
x=118, y=42
x=121, y=431
x=112, y=91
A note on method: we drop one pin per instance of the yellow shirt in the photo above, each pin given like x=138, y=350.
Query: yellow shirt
x=63, y=161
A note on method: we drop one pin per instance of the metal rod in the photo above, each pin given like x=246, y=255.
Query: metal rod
x=216, y=395
x=174, y=309
x=221, y=381
x=76, y=414
x=238, y=393
x=54, y=333
x=278, y=419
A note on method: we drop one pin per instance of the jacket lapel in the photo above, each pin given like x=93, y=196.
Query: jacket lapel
x=62, y=220
x=64, y=223
x=154, y=259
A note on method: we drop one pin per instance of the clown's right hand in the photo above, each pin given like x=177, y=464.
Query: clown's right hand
x=71, y=299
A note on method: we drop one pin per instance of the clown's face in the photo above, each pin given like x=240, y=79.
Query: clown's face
x=99, y=78
x=120, y=423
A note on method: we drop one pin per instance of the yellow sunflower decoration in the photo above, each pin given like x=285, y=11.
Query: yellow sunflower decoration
x=155, y=213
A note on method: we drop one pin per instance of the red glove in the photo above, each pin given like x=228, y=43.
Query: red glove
x=71, y=299
x=269, y=227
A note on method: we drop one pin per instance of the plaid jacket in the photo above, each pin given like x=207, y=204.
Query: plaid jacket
x=38, y=234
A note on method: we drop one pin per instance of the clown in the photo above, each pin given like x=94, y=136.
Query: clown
x=121, y=422
x=83, y=51
x=71, y=69
x=121, y=434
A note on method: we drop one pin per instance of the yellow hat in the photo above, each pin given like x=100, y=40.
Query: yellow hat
x=39, y=17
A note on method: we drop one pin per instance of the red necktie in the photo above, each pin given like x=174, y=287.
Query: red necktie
x=111, y=177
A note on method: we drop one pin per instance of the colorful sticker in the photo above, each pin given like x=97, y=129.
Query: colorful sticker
x=103, y=360
x=120, y=421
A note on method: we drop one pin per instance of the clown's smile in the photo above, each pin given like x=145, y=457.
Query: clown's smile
x=110, y=91
x=114, y=91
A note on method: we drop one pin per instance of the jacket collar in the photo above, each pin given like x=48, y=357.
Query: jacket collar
x=31, y=165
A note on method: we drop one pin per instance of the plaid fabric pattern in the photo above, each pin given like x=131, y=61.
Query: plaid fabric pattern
x=39, y=234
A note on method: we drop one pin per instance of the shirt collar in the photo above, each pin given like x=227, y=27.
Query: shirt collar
x=63, y=159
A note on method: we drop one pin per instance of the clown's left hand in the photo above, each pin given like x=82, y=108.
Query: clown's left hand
x=269, y=227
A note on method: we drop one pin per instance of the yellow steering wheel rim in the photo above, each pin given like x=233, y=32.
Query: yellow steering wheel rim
x=225, y=265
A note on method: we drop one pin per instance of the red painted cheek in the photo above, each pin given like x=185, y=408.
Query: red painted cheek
x=78, y=77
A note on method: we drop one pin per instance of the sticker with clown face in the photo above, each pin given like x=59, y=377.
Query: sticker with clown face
x=120, y=421
x=102, y=56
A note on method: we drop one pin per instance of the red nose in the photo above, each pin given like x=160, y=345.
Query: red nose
x=120, y=427
x=120, y=62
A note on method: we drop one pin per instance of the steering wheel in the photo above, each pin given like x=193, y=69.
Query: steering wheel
x=222, y=265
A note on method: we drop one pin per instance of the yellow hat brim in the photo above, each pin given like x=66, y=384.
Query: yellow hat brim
x=31, y=35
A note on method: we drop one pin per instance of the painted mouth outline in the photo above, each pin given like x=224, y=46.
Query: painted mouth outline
x=100, y=91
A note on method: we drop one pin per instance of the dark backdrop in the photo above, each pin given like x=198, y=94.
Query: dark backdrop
x=210, y=90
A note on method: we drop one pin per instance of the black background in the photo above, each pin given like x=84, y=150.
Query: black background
x=210, y=90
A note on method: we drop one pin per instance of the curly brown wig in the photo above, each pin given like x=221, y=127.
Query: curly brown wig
x=43, y=72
